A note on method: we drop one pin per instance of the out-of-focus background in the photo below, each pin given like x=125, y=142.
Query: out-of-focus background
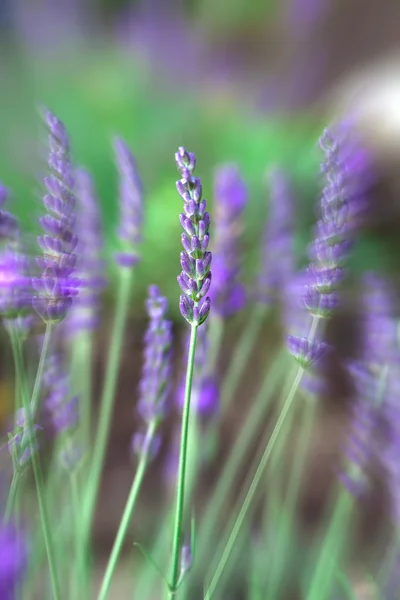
x=235, y=81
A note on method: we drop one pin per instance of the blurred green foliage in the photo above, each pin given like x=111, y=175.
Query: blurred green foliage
x=107, y=91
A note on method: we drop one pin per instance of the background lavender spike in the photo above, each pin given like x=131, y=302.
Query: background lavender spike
x=230, y=193
x=154, y=387
x=195, y=278
x=334, y=233
x=131, y=205
x=277, y=258
x=56, y=288
x=84, y=314
x=58, y=401
x=13, y=560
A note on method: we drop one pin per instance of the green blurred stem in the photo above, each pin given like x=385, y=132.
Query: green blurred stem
x=242, y=353
x=39, y=375
x=74, y=487
x=82, y=354
x=30, y=409
x=215, y=335
x=306, y=425
x=180, y=487
x=106, y=406
x=238, y=453
x=12, y=495
x=126, y=518
x=324, y=573
x=253, y=487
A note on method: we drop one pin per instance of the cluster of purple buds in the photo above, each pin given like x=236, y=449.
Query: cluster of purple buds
x=277, y=261
x=330, y=248
x=371, y=376
x=56, y=287
x=154, y=385
x=131, y=205
x=60, y=404
x=230, y=193
x=195, y=279
x=205, y=388
x=13, y=560
x=90, y=266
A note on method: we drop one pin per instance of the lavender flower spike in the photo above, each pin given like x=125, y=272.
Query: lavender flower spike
x=195, y=278
x=131, y=205
x=230, y=192
x=156, y=375
x=333, y=240
x=277, y=266
x=57, y=287
x=90, y=266
x=9, y=229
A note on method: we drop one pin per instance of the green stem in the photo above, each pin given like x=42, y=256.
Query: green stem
x=30, y=407
x=180, y=493
x=287, y=513
x=39, y=375
x=126, y=519
x=74, y=591
x=12, y=494
x=216, y=332
x=246, y=436
x=81, y=368
x=240, y=357
x=324, y=572
x=106, y=408
x=253, y=487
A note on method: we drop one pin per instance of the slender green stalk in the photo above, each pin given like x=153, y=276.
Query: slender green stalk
x=346, y=586
x=12, y=495
x=106, y=408
x=253, y=487
x=74, y=487
x=238, y=454
x=81, y=369
x=39, y=375
x=216, y=333
x=37, y=471
x=125, y=521
x=180, y=493
x=241, y=356
x=287, y=514
x=324, y=573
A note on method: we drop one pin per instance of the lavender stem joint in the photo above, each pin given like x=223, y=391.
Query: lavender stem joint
x=195, y=278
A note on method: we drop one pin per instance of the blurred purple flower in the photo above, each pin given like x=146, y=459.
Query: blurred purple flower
x=56, y=288
x=277, y=260
x=13, y=560
x=195, y=279
x=60, y=404
x=230, y=193
x=90, y=266
x=131, y=205
x=154, y=385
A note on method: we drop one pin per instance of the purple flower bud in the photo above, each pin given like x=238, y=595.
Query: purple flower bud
x=154, y=386
x=58, y=262
x=277, y=261
x=231, y=198
x=131, y=205
x=304, y=351
x=84, y=314
x=195, y=278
